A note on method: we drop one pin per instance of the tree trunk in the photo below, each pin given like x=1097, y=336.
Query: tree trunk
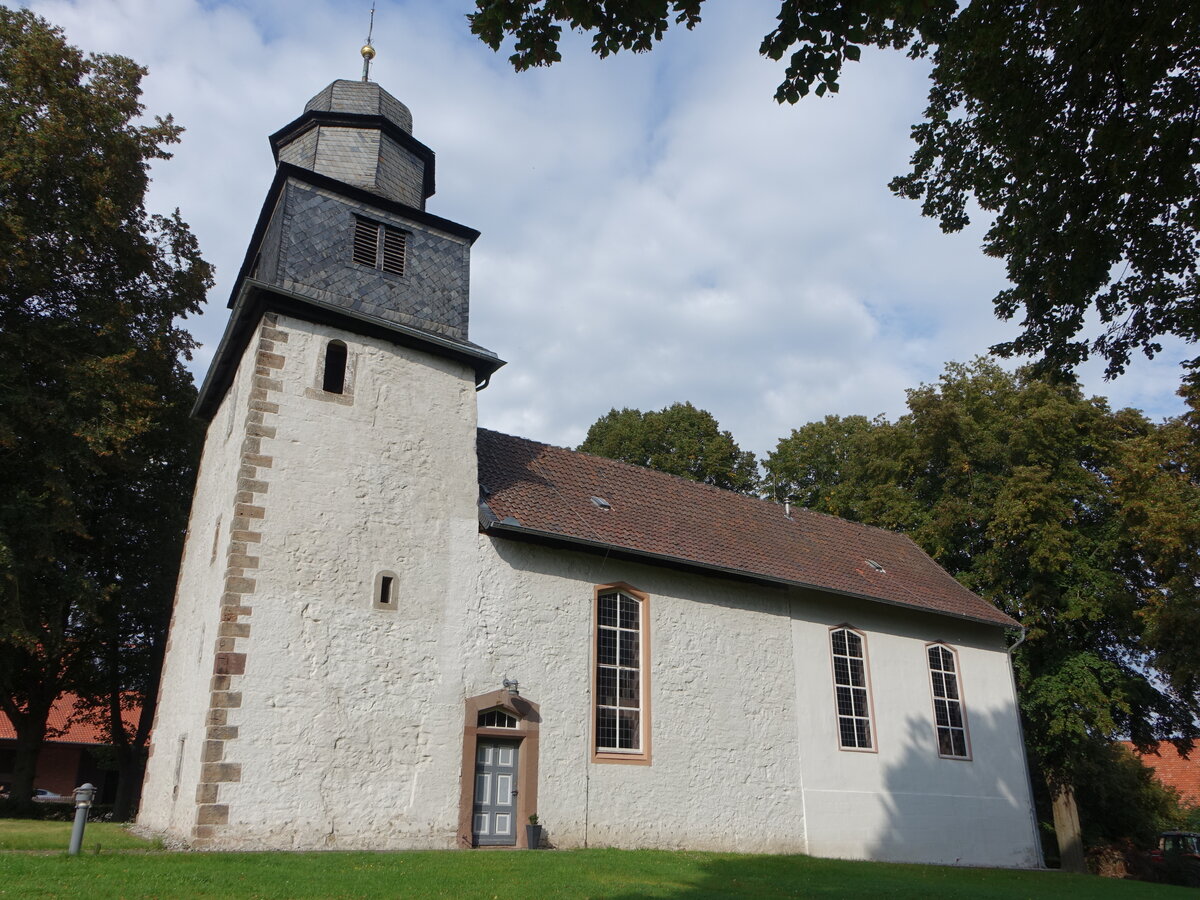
x=31, y=732
x=1066, y=828
x=131, y=749
x=131, y=765
x=24, y=768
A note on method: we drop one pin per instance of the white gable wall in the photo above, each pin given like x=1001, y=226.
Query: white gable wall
x=902, y=801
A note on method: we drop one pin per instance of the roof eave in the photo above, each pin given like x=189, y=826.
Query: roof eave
x=520, y=532
x=255, y=298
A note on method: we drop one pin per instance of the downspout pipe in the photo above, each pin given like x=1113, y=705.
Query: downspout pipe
x=1012, y=674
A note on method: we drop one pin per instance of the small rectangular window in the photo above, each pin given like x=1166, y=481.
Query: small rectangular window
x=394, y=245
x=386, y=585
x=333, y=379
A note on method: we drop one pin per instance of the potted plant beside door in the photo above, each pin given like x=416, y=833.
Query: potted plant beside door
x=533, y=833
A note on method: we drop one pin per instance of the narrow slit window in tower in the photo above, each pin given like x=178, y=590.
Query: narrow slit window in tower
x=334, y=381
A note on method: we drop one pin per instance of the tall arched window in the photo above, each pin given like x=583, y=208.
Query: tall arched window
x=950, y=718
x=334, y=380
x=851, y=689
x=622, y=675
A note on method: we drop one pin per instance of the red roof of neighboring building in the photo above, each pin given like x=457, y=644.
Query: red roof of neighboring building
x=535, y=490
x=67, y=726
x=1172, y=769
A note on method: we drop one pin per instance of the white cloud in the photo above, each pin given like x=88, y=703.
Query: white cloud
x=655, y=228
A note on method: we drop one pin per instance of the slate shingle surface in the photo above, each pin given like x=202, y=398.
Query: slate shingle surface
x=315, y=260
x=364, y=98
x=549, y=489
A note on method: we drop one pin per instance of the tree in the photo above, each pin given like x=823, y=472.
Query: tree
x=1072, y=125
x=1078, y=521
x=678, y=439
x=139, y=503
x=90, y=360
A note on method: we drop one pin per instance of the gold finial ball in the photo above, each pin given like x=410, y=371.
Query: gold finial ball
x=368, y=52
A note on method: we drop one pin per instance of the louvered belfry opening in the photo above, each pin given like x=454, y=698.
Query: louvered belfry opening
x=379, y=246
x=393, y=251
x=366, y=242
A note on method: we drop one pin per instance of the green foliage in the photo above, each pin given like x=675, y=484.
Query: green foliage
x=93, y=392
x=1072, y=126
x=678, y=439
x=1081, y=522
x=1119, y=799
x=1191, y=818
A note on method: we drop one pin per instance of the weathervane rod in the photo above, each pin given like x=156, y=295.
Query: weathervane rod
x=368, y=52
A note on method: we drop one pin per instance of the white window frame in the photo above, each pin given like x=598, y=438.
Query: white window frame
x=943, y=683
x=840, y=686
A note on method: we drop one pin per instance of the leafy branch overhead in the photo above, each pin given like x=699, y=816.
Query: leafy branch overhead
x=1073, y=126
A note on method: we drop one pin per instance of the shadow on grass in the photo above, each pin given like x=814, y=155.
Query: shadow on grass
x=772, y=877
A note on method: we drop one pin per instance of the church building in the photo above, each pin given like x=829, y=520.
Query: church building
x=394, y=629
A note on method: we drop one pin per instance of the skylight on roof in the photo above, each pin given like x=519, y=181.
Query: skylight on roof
x=602, y=503
x=876, y=566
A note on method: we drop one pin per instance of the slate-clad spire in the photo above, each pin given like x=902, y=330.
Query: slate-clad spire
x=358, y=133
x=344, y=237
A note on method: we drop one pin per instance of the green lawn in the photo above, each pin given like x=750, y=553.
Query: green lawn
x=572, y=875
x=28, y=834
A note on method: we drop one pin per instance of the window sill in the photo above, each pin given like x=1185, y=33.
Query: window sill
x=628, y=759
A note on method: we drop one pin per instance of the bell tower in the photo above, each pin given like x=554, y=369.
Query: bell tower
x=332, y=540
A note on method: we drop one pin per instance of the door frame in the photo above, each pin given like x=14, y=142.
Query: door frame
x=526, y=736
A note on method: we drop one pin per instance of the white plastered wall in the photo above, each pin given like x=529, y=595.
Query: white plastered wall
x=902, y=801
x=725, y=762
x=169, y=791
x=745, y=750
x=350, y=725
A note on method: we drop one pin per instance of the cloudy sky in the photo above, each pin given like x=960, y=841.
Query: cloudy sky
x=655, y=228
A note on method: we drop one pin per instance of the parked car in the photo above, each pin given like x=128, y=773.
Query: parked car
x=41, y=795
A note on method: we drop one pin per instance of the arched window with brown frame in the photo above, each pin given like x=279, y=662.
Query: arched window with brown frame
x=621, y=676
x=949, y=714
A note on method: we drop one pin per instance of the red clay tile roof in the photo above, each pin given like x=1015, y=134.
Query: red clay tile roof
x=1172, y=769
x=66, y=726
x=535, y=488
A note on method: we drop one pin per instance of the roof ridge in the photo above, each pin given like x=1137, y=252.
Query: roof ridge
x=691, y=482
x=544, y=489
